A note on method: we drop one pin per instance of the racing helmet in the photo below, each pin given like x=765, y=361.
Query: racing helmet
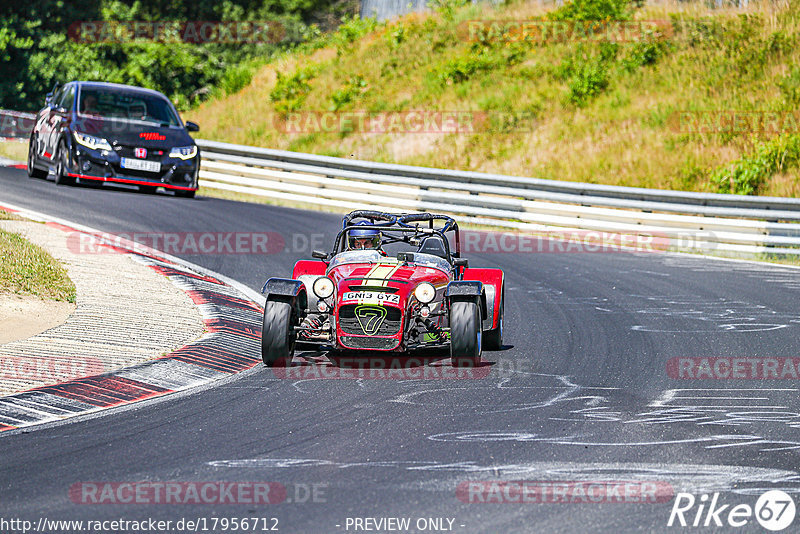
x=363, y=238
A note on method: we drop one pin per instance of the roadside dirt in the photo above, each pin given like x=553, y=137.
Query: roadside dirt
x=24, y=316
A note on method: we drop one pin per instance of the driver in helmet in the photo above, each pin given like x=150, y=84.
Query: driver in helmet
x=364, y=238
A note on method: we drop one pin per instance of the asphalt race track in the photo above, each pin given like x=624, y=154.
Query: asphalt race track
x=581, y=393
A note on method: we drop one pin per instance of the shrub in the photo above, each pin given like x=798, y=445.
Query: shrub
x=746, y=175
x=290, y=92
x=588, y=81
x=463, y=68
x=355, y=87
x=581, y=10
x=235, y=79
x=790, y=87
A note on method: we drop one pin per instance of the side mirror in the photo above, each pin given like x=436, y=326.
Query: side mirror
x=461, y=262
x=318, y=254
x=192, y=126
x=407, y=257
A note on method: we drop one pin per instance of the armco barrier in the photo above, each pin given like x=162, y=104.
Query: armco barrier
x=15, y=124
x=704, y=222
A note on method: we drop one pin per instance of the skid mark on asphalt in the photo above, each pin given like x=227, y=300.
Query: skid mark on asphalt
x=768, y=274
x=668, y=313
x=766, y=417
x=704, y=315
x=445, y=476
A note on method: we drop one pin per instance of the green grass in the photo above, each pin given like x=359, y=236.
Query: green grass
x=8, y=216
x=601, y=112
x=26, y=269
x=15, y=150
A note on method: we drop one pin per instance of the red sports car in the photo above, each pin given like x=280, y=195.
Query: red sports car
x=391, y=284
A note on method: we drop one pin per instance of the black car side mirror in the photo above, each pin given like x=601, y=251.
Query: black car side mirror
x=461, y=262
x=407, y=257
x=320, y=255
x=192, y=126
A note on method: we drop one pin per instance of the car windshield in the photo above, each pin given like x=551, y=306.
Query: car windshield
x=373, y=256
x=119, y=104
x=429, y=260
x=358, y=256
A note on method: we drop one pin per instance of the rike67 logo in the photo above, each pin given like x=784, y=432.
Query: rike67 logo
x=774, y=510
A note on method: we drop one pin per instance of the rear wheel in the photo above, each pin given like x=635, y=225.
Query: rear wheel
x=33, y=172
x=493, y=339
x=277, y=334
x=61, y=165
x=465, y=333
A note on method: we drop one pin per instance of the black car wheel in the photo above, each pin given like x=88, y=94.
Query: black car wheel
x=465, y=333
x=61, y=165
x=33, y=172
x=277, y=334
x=493, y=339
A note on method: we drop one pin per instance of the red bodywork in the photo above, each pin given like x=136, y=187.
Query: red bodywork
x=398, y=280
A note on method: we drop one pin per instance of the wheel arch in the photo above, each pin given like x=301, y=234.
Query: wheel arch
x=286, y=290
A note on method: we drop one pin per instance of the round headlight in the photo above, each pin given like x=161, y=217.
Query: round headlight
x=425, y=293
x=323, y=287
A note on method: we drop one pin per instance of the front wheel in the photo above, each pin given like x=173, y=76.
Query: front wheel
x=33, y=172
x=277, y=334
x=62, y=178
x=465, y=333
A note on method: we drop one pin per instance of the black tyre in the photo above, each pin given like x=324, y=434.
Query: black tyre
x=465, y=333
x=277, y=334
x=185, y=194
x=61, y=165
x=33, y=172
x=493, y=339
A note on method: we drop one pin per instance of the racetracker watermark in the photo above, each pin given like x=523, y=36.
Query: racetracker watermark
x=209, y=492
x=404, y=122
x=48, y=370
x=199, y=243
x=562, y=241
x=732, y=368
x=394, y=367
x=303, y=244
x=564, y=492
x=735, y=122
x=559, y=31
x=189, y=31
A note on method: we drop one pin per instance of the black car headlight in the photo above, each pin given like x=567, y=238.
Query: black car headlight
x=183, y=152
x=90, y=141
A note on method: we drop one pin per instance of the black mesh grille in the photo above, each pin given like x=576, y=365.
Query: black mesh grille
x=374, y=320
x=382, y=343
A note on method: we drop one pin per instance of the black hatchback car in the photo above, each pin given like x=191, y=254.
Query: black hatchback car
x=104, y=132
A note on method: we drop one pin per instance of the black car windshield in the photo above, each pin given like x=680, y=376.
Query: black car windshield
x=120, y=104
